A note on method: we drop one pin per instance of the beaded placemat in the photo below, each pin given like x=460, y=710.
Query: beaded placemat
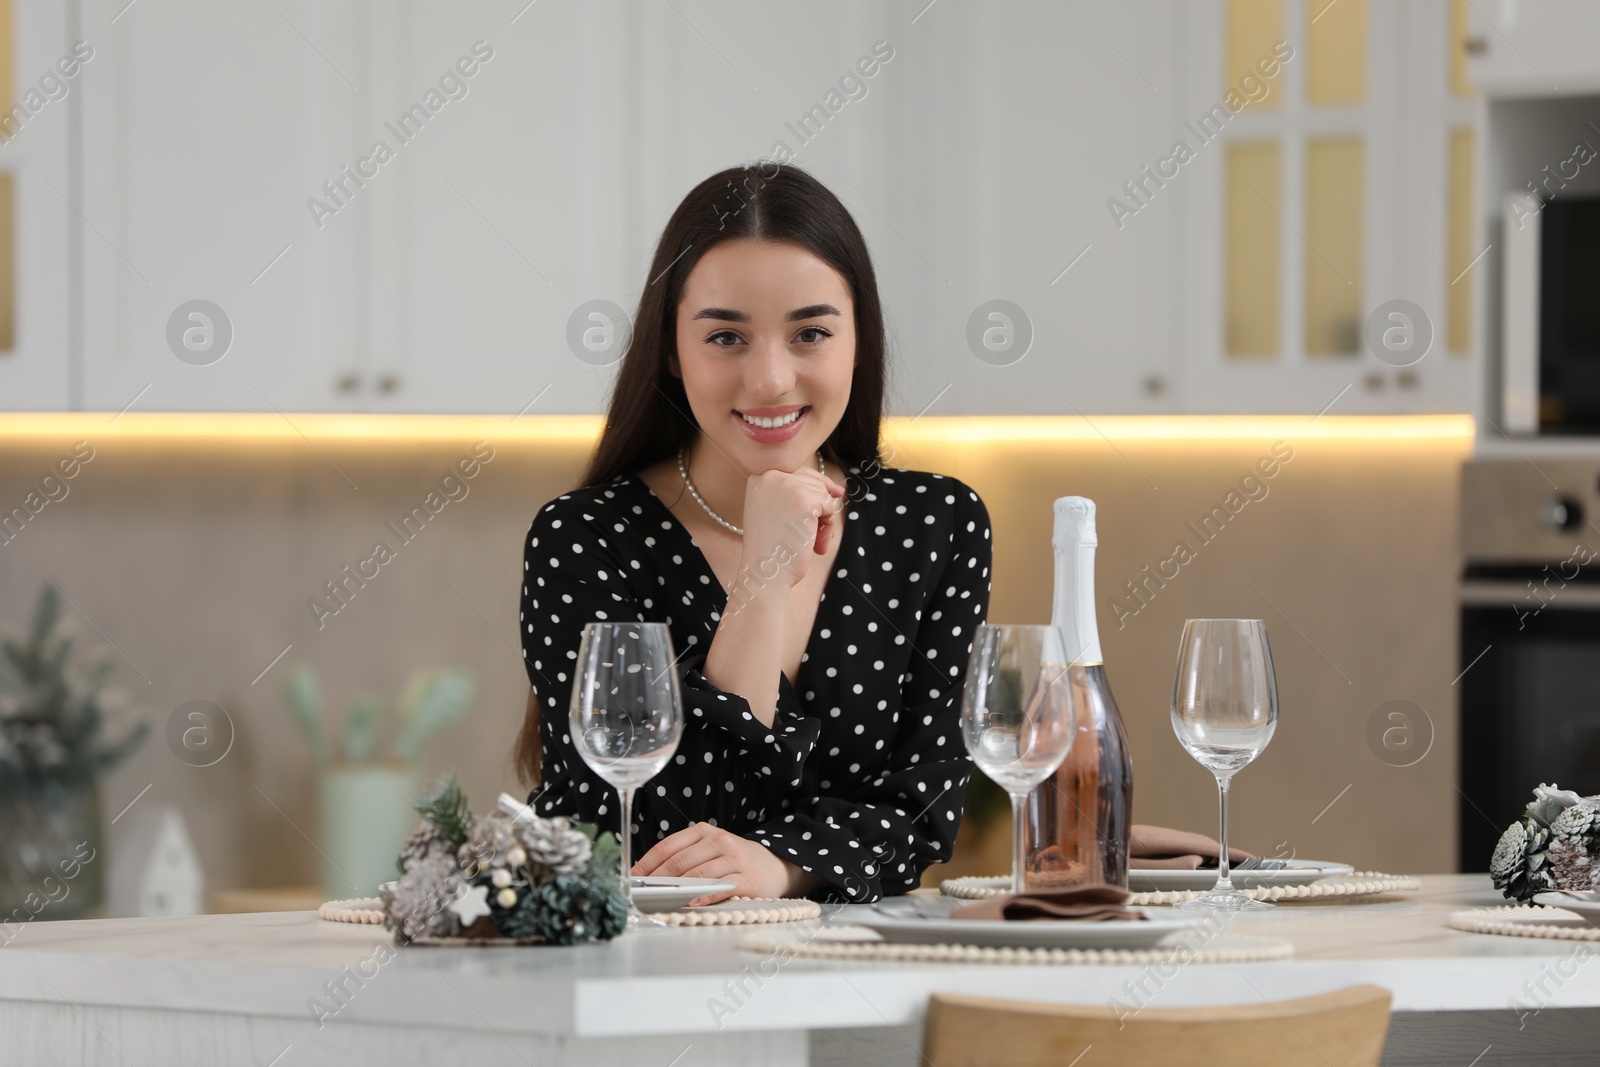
x=735, y=911
x=354, y=910
x=1525, y=920
x=1359, y=884
x=743, y=911
x=860, y=943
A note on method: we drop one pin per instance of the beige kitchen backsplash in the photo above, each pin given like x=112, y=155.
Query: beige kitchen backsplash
x=204, y=566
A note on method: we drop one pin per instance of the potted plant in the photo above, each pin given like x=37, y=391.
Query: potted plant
x=53, y=749
x=364, y=797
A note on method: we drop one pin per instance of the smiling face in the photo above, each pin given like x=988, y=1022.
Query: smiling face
x=765, y=329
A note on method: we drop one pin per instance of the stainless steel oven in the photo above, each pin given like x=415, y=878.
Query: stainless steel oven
x=1530, y=639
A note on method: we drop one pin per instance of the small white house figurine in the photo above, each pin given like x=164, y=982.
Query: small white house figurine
x=154, y=869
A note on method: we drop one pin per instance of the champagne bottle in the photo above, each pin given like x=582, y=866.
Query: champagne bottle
x=1076, y=822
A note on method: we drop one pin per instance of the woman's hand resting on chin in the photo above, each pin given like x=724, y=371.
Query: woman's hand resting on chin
x=792, y=511
x=701, y=850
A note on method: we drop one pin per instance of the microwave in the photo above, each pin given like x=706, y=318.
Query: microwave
x=1550, y=321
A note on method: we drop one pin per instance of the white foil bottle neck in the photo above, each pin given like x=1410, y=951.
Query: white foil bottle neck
x=1074, y=522
x=1073, y=611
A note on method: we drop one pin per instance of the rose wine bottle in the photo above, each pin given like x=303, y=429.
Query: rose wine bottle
x=1076, y=822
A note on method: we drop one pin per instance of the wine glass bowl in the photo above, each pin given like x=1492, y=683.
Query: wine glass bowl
x=1018, y=756
x=626, y=715
x=1224, y=712
x=1017, y=714
x=626, y=754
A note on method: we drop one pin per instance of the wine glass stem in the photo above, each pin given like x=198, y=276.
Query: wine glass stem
x=1017, y=862
x=626, y=838
x=1223, y=882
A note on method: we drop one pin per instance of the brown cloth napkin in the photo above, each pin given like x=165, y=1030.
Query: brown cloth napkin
x=1084, y=903
x=1157, y=848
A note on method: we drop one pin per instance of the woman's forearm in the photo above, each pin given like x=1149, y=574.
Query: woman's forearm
x=746, y=651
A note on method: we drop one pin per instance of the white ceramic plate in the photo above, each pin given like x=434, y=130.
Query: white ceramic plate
x=1299, y=872
x=1585, y=905
x=924, y=923
x=668, y=894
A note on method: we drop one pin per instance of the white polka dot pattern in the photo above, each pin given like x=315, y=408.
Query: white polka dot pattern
x=862, y=775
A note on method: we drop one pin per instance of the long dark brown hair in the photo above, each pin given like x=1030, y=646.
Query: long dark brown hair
x=649, y=415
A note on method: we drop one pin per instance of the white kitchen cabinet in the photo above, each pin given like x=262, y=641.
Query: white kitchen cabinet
x=1535, y=47
x=549, y=184
x=519, y=200
x=980, y=163
x=1013, y=129
x=207, y=127
x=448, y=281
x=36, y=373
x=1403, y=125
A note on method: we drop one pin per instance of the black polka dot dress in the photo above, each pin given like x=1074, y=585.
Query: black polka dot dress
x=862, y=775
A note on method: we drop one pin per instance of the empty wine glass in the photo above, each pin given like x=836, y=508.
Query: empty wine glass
x=1224, y=710
x=627, y=714
x=1017, y=714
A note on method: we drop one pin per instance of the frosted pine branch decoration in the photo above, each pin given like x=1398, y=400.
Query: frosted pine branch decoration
x=448, y=811
x=1554, y=845
x=510, y=874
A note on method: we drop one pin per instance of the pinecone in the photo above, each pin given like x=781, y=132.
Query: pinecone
x=611, y=916
x=1540, y=877
x=567, y=910
x=489, y=842
x=1510, y=860
x=424, y=841
x=501, y=916
x=1577, y=825
x=1572, y=867
x=555, y=844
x=1538, y=838
x=520, y=920
x=1574, y=842
x=1553, y=845
x=416, y=905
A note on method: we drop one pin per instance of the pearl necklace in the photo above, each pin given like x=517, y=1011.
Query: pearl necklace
x=683, y=470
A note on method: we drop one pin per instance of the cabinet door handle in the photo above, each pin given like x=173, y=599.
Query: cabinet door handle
x=388, y=384
x=348, y=383
x=1475, y=46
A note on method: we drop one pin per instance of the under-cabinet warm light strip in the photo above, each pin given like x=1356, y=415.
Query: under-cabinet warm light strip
x=223, y=425
x=583, y=428
x=1022, y=428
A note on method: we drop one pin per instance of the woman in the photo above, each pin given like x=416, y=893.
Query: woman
x=822, y=606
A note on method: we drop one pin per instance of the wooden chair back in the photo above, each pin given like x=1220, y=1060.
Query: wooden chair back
x=1345, y=1028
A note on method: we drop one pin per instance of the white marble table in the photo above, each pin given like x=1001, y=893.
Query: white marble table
x=240, y=989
